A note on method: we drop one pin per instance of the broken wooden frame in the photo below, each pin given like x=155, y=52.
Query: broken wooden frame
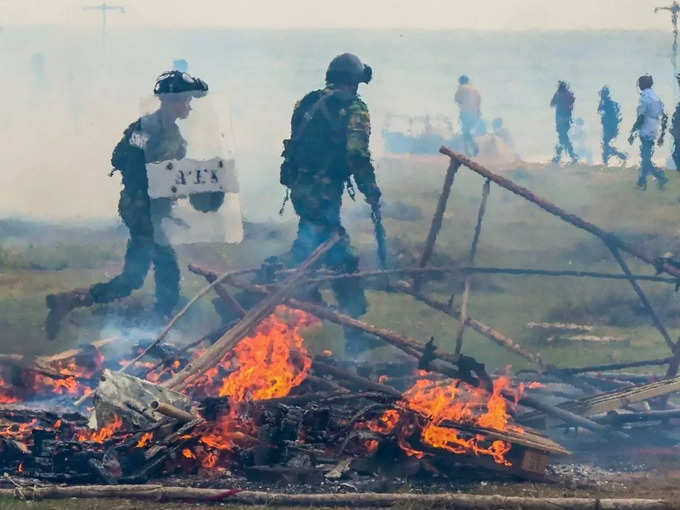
x=614, y=243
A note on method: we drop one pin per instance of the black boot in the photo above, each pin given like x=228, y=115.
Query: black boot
x=61, y=304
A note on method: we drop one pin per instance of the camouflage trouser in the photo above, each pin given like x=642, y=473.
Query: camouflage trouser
x=142, y=251
x=342, y=258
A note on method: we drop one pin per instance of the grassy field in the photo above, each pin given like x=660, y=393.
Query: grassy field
x=515, y=234
x=39, y=260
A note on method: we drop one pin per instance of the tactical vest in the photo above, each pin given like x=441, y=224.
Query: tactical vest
x=318, y=140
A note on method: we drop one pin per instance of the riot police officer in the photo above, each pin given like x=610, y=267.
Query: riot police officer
x=327, y=151
x=152, y=138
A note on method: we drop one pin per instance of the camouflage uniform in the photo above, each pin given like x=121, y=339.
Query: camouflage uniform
x=328, y=146
x=144, y=141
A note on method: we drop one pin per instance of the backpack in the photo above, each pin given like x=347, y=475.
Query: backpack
x=318, y=136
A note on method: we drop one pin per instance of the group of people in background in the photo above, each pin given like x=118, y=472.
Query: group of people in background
x=650, y=126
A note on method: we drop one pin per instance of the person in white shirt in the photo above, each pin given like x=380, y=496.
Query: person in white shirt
x=651, y=115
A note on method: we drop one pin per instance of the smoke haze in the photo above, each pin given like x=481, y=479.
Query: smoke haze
x=69, y=95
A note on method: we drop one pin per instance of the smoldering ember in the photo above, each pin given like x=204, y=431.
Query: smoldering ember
x=247, y=415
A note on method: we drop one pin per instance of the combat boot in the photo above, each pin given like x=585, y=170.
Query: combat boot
x=61, y=304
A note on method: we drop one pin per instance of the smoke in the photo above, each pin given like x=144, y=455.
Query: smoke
x=69, y=97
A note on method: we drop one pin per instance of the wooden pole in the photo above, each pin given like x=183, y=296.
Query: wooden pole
x=614, y=366
x=216, y=352
x=400, y=341
x=436, y=225
x=173, y=412
x=548, y=206
x=350, y=499
x=161, y=336
x=481, y=328
x=471, y=262
x=643, y=298
x=571, y=418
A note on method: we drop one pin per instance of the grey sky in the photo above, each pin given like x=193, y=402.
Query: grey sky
x=429, y=14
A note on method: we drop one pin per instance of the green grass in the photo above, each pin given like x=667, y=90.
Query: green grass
x=515, y=234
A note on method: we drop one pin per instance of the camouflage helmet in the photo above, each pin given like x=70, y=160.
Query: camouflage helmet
x=175, y=82
x=348, y=69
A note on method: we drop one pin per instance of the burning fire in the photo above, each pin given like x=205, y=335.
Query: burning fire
x=103, y=434
x=19, y=432
x=268, y=364
x=6, y=392
x=446, y=404
x=145, y=440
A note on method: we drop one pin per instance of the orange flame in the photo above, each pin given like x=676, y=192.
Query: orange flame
x=270, y=363
x=6, y=392
x=19, y=431
x=103, y=434
x=145, y=439
x=188, y=453
x=445, y=404
x=73, y=372
x=210, y=460
x=267, y=364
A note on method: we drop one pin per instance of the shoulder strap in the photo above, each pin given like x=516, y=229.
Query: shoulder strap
x=321, y=106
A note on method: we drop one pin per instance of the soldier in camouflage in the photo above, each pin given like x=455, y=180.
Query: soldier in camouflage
x=330, y=131
x=154, y=137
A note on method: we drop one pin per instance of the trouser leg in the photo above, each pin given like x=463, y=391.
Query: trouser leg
x=566, y=143
x=647, y=166
x=606, y=150
x=166, y=275
x=468, y=122
x=137, y=263
x=349, y=293
x=676, y=155
x=558, y=153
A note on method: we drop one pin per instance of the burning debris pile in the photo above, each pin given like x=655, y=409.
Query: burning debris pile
x=267, y=410
x=251, y=400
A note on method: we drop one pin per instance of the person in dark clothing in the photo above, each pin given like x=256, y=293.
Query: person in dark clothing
x=610, y=114
x=152, y=138
x=675, y=131
x=330, y=131
x=563, y=102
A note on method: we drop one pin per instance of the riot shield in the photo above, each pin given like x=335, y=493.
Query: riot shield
x=191, y=171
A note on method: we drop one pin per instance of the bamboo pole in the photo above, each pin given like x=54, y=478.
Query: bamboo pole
x=357, y=500
x=471, y=261
x=436, y=225
x=216, y=352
